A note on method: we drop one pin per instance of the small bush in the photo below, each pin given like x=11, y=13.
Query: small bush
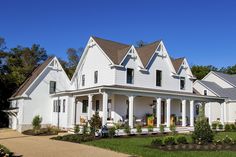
x=150, y=128
x=95, y=123
x=77, y=129
x=227, y=127
x=139, y=129
x=181, y=140
x=111, y=132
x=162, y=128
x=173, y=129
x=157, y=142
x=127, y=129
x=202, y=131
x=37, y=120
x=214, y=126
x=233, y=127
x=228, y=140
x=75, y=138
x=85, y=129
x=169, y=140
x=220, y=126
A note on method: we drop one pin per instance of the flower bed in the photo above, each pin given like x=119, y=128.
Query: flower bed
x=42, y=132
x=76, y=138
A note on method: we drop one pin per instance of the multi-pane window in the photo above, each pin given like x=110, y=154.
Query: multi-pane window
x=130, y=76
x=56, y=105
x=95, y=77
x=158, y=77
x=83, y=80
x=84, y=106
x=64, y=105
x=182, y=83
x=52, y=87
x=97, y=105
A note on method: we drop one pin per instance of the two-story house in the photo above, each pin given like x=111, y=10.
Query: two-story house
x=122, y=82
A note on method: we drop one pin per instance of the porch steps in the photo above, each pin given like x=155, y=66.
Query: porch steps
x=184, y=129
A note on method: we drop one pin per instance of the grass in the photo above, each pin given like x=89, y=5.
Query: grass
x=5, y=149
x=139, y=146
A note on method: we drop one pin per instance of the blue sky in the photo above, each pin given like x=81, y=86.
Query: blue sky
x=204, y=31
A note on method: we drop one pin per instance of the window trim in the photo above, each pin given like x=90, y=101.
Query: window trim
x=132, y=80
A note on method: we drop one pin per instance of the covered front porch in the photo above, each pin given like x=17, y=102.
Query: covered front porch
x=140, y=107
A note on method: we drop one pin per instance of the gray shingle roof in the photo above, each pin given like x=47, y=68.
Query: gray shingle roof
x=230, y=78
x=222, y=92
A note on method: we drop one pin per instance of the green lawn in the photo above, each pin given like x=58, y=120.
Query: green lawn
x=139, y=146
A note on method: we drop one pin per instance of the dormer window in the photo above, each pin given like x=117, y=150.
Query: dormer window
x=130, y=76
x=158, y=77
x=83, y=80
x=182, y=83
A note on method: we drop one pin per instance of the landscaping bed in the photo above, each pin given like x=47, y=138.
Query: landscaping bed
x=4, y=152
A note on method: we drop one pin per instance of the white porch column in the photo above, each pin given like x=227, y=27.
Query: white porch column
x=209, y=112
x=158, y=111
x=222, y=117
x=192, y=113
x=90, y=101
x=168, y=105
x=104, y=108
x=183, y=112
x=131, y=111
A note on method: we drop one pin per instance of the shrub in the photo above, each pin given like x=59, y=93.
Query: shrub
x=228, y=140
x=173, y=129
x=162, y=128
x=51, y=130
x=181, y=140
x=127, y=129
x=214, y=126
x=111, y=131
x=220, y=126
x=227, y=127
x=95, y=123
x=85, y=129
x=37, y=120
x=139, y=129
x=169, y=140
x=157, y=142
x=150, y=128
x=202, y=132
x=232, y=127
x=75, y=138
x=77, y=129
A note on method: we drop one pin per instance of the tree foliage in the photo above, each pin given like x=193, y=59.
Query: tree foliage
x=201, y=71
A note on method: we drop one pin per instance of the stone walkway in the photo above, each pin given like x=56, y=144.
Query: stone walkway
x=42, y=146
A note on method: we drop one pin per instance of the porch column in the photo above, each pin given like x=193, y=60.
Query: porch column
x=131, y=111
x=158, y=111
x=168, y=104
x=222, y=112
x=192, y=113
x=104, y=108
x=90, y=101
x=183, y=112
x=209, y=112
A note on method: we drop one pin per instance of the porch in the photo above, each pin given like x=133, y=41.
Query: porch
x=142, y=107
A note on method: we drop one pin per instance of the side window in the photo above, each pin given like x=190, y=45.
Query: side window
x=205, y=92
x=158, y=77
x=52, y=87
x=85, y=106
x=130, y=76
x=96, y=77
x=83, y=80
x=182, y=83
x=64, y=105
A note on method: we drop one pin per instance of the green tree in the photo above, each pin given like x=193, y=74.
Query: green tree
x=201, y=71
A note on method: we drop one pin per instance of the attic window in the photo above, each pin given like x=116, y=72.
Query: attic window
x=52, y=87
x=205, y=92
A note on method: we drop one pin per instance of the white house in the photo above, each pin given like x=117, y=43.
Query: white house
x=121, y=82
x=220, y=85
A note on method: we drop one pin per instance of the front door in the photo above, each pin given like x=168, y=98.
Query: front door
x=163, y=112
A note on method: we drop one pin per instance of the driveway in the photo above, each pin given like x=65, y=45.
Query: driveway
x=42, y=146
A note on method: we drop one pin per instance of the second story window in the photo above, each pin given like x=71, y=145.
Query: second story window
x=182, y=83
x=83, y=80
x=205, y=92
x=158, y=77
x=95, y=77
x=130, y=76
x=52, y=87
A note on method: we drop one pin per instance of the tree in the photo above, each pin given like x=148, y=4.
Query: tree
x=229, y=69
x=201, y=71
